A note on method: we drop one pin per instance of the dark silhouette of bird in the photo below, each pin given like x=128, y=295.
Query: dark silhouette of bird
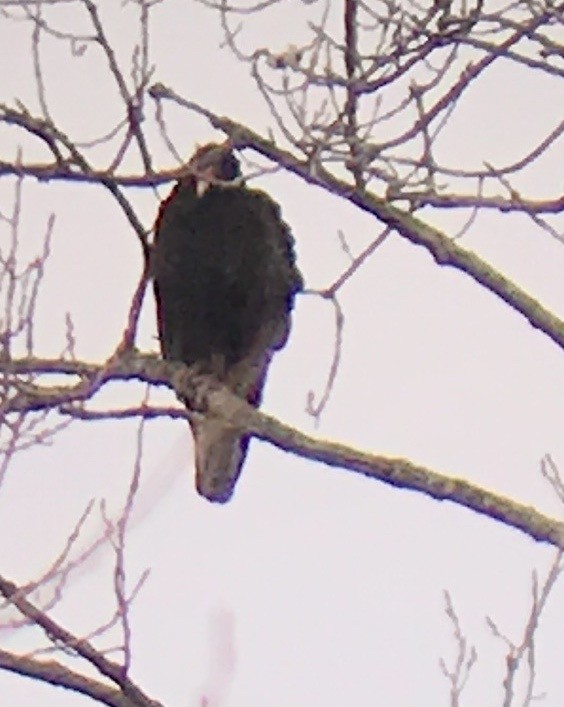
x=225, y=279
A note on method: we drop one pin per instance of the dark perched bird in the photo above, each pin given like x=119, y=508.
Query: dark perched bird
x=225, y=278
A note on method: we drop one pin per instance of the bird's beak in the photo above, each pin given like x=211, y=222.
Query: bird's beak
x=203, y=180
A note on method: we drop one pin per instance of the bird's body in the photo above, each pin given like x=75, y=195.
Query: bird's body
x=225, y=279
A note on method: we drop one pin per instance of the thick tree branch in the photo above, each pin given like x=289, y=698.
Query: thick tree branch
x=55, y=673
x=444, y=250
x=47, y=172
x=113, y=671
x=210, y=397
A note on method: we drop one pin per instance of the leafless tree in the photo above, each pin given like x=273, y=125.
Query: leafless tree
x=357, y=109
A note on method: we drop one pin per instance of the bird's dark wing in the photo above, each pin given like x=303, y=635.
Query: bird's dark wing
x=225, y=278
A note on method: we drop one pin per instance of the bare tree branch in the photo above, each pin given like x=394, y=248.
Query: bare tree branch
x=358, y=109
x=206, y=395
x=517, y=653
x=114, y=672
x=442, y=248
x=55, y=673
x=465, y=660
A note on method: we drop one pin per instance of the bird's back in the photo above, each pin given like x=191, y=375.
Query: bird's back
x=225, y=278
x=224, y=267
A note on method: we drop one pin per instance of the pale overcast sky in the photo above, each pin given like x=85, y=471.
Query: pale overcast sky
x=313, y=586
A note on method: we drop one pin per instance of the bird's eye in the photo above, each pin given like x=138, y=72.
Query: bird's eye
x=230, y=167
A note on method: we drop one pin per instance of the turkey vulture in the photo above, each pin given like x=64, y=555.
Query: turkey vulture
x=225, y=278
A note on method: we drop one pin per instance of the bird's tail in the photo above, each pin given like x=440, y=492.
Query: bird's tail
x=219, y=452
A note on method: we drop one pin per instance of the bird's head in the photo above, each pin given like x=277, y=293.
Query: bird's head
x=213, y=163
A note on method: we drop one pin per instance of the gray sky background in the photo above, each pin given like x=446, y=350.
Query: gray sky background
x=313, y=586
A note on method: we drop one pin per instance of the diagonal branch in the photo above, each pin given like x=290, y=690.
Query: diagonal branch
x=444, y=250
x=49, y=133
x=114, y=672
x=205, y=395
x=133, y=111
x=55, y=673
